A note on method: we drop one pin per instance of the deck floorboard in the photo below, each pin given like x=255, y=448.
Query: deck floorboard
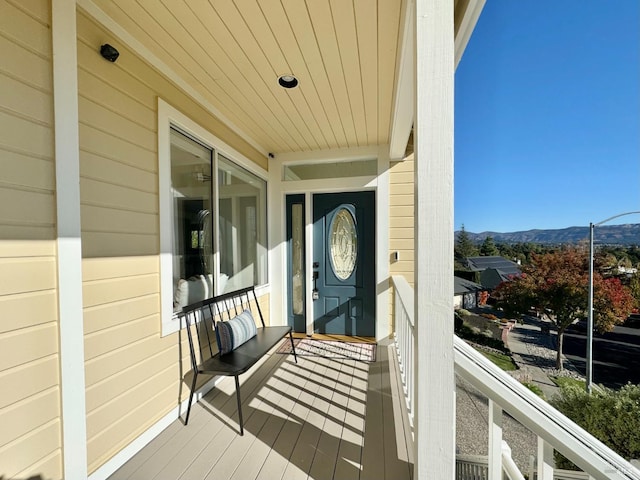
x=318, y=419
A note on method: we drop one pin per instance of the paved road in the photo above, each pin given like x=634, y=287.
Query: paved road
x=616, y=355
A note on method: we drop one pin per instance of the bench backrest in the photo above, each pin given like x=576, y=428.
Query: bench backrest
x=203, y=316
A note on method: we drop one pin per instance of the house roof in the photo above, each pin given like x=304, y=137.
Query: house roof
x=478, y=264
x=348, y=57
x=462, y=286
x=492, y=277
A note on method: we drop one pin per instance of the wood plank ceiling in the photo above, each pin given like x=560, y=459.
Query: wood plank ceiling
x=343, y=52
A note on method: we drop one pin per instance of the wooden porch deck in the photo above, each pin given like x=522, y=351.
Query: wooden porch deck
x=318, y=419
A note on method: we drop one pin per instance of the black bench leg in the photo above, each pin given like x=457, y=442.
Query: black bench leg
x=239, y=405
x=193, y=389
x=293, y=347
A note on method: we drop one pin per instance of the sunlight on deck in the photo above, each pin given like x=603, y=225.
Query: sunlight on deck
x=321, y=419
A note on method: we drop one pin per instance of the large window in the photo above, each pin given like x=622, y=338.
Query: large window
x=192, y=195
x=215, y=210
x=242, y=226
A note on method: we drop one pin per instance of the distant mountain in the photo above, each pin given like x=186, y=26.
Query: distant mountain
x=605, y=234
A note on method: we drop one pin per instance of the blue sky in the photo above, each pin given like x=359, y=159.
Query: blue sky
x=547, y=126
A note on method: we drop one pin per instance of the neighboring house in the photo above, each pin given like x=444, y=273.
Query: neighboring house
x=493, y=270
x=465, y=293
x=187, y=167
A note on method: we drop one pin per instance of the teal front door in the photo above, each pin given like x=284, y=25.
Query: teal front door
x=344, y=273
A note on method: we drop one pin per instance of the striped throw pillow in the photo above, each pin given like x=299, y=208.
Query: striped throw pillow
x=233, y=333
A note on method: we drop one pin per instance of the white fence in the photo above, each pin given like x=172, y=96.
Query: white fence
x=554, y=430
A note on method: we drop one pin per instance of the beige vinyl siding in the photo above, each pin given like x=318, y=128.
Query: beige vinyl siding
x=30, y=420
x=401, y=222
x=134, y=377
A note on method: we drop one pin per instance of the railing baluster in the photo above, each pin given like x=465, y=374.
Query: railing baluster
x=545, y=460
x=586, y=451
x=495, y=441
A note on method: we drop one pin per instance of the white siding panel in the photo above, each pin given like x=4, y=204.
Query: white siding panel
x=22, y=417
x=118, y=313
x=99, y=219
x=26, y=208
x=25, y=135
x=107, y=120
x=105, y=268
x=20, y=275
x=26, y=310
x=101, y=143
x=29, y=449
x=109, y=339
x=25, y=100
x=28, y=344
x=111, y=171
x=115, y=386
x=38, y=9
x=105, y=291
x=27, y=380
x=32, y=69
x=118, y=197
x=33, y=172
x=112, y=363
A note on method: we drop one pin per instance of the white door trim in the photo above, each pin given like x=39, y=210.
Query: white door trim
x=279, y=189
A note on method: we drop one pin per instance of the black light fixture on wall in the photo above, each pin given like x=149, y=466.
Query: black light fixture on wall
x=109, y=53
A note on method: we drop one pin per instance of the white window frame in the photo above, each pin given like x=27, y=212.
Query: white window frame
x=168, y=117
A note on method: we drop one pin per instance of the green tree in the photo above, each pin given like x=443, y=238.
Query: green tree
x=556, y=285
x=488, y=248
x=634, y=288
x=463, y=248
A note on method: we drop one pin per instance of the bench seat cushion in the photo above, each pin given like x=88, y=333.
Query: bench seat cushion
x=246, y=355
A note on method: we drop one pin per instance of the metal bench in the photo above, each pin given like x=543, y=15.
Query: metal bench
x=201, y=320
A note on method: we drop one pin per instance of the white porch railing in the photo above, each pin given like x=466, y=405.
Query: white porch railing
x=554, y=430
x=403, y=314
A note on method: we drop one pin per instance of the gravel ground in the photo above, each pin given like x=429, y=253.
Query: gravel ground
x=473, y=410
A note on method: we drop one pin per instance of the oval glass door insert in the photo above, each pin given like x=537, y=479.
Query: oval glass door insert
x=343, y=244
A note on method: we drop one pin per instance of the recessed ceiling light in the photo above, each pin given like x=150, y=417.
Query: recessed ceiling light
x=288, y=81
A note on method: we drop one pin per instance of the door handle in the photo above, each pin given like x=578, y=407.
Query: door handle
x=314, y=294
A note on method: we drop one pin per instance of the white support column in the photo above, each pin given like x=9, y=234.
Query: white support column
x=67, y=160
x=495, y=441
x=382, y=246
x=433, y=139
x=545, y=460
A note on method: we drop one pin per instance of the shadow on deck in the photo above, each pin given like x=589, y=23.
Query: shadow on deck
x=321, y=419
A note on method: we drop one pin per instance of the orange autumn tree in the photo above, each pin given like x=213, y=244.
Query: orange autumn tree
x=556, y=286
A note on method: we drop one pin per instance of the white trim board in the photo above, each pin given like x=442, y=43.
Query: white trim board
x=69, y=242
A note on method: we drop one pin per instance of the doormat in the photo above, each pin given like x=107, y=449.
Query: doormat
x=364, y=352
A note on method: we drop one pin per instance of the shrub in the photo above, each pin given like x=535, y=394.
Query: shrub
x=612, y=416
x=534, y=388
x=462, y=312
x=475, y=335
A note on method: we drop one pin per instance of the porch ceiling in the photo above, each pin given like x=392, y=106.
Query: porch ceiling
x=355, y=86
x=232, y=53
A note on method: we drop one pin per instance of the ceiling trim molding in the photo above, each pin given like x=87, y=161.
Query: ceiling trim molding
x=467, y=25
x=109, y=23
x=403, y=104
x=323, y=156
